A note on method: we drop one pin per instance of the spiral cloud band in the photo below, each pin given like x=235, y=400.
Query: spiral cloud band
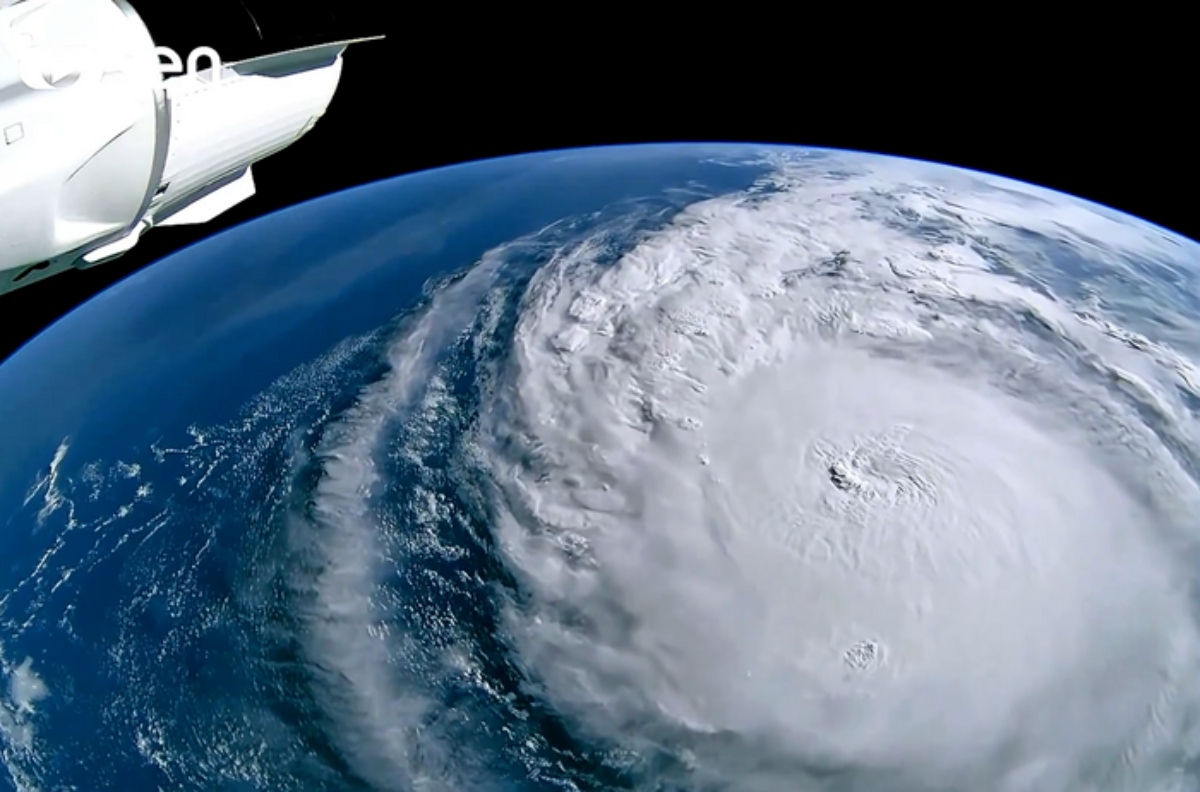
x=812, y=494
x=806, y=490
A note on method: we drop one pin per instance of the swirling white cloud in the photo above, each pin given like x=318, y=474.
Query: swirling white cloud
x=819, y=498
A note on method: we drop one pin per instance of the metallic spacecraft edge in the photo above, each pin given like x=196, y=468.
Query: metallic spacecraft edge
x=87, y=168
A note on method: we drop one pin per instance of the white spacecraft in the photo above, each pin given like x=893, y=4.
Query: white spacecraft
x=108, y=128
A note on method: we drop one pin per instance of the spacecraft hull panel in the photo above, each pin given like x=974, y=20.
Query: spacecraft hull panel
x=86, y=168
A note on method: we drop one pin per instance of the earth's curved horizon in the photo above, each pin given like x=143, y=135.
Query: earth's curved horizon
x=682, y=468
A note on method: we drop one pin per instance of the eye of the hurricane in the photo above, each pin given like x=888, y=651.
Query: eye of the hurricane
x=844, y=477
x=862, y=656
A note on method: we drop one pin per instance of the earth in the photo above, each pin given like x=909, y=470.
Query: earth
x=677, y=468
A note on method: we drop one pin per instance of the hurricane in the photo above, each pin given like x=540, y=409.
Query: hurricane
x=839, y=482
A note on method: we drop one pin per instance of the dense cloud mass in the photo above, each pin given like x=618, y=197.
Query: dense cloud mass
x=878, y=476
x=820, y=496
x=802, y=488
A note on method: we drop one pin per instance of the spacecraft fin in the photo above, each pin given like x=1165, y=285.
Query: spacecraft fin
x=215, y=203
x=281, y=64
x=113, y=249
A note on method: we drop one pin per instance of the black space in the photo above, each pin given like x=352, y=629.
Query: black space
x=455, y=83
